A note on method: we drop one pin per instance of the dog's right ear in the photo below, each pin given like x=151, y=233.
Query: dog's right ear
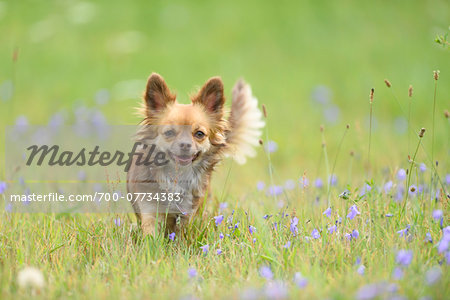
x=157, y=95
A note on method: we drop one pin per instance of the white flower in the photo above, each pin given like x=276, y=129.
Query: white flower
x=31, y=277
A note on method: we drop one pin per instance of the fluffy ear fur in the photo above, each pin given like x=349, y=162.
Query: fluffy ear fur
x=211, y=96
x=157, y=95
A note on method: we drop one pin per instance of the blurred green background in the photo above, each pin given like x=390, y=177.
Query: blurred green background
x=309, y=62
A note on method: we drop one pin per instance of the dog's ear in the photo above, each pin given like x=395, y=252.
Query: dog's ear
x=157, y=95
x=211, y=96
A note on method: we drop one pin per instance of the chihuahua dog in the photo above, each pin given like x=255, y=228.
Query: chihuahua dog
x=195, y=137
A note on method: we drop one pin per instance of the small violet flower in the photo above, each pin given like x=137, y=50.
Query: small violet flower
x=266, y=272
x=353, y=212
x=192, y=273
x=218, y=219
x=315, y=234
x=327, y=212
x=404, y=257
x=205, y=248
x=401, y=174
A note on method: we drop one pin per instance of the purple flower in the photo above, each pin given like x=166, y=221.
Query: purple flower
x=389, y=215
x=315, y=234
x=355, y=234
x=333, y=179
x=393, y=288
x=205, y=248
x=293, y=226
x=369, y=291
x=221, y=236
x=412, y=190
x=3, y=187
x=252, y=229
x=348, y=236
x=223, y=206
x=327, y=212
x=332, y=229
x=271, y=146
x=404, y=257
x=444, y=242
x=443, y=245
x=265, y=217
x=274, y=190
x=219, y=251
x=397, y=274
x=401, y=174
x=422, y=167
x=218, y=219
x=192, y=273
x=260, y=185
x=8, y=207
x=321, y=94
x=366, y=188
x=399, y=194
x=300, y=281
x=118, y=222
x=403, y=232
x=447, y=257
x=447, y=179
x=266, y=272
x=81, y=175
x=331, y=113
x=388, y=186
x=433, y=275
x=437, y=214
x=254, y=240
x=275, y=290
x=289, y=184
x=172, y=236
x=287, y=245
x=236, y=226
x=361, y=270
x=428, y=238
x=21, y=123
x=318, y=183
x=353, y=212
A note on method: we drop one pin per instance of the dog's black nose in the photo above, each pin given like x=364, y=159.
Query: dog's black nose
x=185, y=146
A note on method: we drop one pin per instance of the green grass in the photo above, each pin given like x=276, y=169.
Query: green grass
x=284, y=50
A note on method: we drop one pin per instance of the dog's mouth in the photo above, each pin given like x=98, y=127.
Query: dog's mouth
x=183, y=160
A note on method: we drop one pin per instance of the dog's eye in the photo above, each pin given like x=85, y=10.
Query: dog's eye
x=199, y=134
x=169, y=133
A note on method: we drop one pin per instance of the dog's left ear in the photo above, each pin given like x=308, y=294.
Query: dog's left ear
x=211, y=96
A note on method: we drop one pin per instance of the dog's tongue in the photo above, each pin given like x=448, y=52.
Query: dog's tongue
x=184, y=160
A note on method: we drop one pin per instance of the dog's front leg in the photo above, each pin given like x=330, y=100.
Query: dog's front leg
x=148, y=224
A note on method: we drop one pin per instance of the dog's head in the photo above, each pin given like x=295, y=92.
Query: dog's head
x=186, y=132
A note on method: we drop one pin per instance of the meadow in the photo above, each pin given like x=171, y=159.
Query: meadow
x=345, y=200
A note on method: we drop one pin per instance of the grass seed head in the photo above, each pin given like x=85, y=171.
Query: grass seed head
x=410, y=91
x=388, y=84
x=446, y=114
x=436, y=74
x=422, y=132
x=264, y=111
x=372, y=90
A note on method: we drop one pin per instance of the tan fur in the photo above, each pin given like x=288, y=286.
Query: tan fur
x=161, y=114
